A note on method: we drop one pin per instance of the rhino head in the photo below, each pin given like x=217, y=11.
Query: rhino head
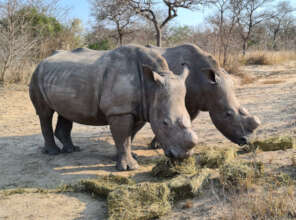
x=168, y=116
x=229, y=117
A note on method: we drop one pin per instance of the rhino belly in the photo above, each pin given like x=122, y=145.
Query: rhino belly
x=75, y=97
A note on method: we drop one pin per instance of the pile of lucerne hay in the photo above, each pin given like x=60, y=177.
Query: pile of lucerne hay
x=275, y=143
x=215, y=157
x=139, y=201
x=169, y=168
x=104, y=185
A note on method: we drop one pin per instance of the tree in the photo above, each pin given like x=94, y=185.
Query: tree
x=225, y=22
x=28, y=33
x=149, y=9
x=281, y=14
x=15, y=40
x=252, y=13
x=117, y=12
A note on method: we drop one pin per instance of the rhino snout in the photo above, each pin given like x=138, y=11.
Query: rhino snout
x=254, y=122
x=190, y=139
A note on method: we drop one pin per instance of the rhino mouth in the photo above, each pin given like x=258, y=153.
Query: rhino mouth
x=177, y=154
x=242, y=141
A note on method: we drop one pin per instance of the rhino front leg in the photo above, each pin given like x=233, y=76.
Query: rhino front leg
x=122, y=128
x=63, y=133
x=50, y=146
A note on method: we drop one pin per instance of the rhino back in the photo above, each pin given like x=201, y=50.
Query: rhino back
x=70, y=83
x=88, y=86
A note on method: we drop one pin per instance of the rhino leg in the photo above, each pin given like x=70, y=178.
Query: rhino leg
x=63, y=133
x=121, y=129
x=50, y=146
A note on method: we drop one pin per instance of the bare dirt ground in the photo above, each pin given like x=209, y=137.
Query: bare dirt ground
x=272, y=97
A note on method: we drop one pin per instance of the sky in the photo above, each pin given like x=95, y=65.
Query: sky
x=81, y=9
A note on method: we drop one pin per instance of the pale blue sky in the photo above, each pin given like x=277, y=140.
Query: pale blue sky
x=81, y=9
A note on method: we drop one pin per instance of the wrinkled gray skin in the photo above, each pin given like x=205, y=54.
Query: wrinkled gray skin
x=123, y=88
x=209, y=88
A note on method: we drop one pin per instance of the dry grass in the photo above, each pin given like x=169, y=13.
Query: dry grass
x=233, y=67
x=20, y=74
x=272, y=81
x=267, y=57
x=269, y=204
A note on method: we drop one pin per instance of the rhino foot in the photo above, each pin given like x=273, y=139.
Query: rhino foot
x=70, y=149
x=52, y=150
x=127, y=163
x=154, y=144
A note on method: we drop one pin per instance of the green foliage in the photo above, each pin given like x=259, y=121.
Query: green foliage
x=104, y=44
x=41, y=25
x=179, y=34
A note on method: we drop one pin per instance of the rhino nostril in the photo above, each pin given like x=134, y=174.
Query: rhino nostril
x=168, y=153
x=243, y=141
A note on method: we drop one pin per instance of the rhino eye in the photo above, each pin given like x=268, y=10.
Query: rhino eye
x=229, y=114
x=165, y=122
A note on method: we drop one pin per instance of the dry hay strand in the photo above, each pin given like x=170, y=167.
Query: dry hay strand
x=183, y=187
x=141, y=201
x=104, y=185
x=170, y=168
x=214, y=158
x=273, y=144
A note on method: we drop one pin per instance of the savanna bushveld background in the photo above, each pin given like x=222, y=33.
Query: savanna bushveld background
x=254, y=40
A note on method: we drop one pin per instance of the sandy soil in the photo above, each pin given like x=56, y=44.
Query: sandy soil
x=271, y=97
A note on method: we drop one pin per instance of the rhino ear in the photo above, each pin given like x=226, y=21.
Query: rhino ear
x=211, y=75
x=154, y=76
x=185, y=72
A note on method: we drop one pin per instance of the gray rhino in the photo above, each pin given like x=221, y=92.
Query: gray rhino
x=123, y=88
x=209, y=88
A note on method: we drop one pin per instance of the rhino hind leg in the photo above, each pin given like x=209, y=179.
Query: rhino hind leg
x=50, y=146
x=122, y=128
x=63, y=134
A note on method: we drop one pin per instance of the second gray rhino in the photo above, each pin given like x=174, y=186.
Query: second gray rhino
x=210, y=88
x=123, y=88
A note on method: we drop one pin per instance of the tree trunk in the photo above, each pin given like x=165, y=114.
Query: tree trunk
x=225, y=54
x=120, y=38
x=244, y=46
x=158, y=35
